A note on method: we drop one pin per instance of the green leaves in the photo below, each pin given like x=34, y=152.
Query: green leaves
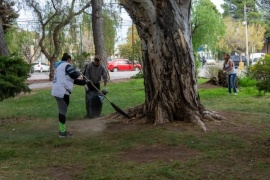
x=13, y=74
x=261, y=72
x=207, y=24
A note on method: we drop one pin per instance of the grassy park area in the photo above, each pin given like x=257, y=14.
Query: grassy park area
x=235, y=148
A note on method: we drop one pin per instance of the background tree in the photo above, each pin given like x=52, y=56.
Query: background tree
x=110, y=24
x=97, y=25
x=54, y=16
x=168, y=62
x=257, y=12
x=207, y=24
x=264, y=9
x=7, y=16
x=235, y=9
x=132, y=49
x=23, y=43
x=234, y=38
x=256, y=36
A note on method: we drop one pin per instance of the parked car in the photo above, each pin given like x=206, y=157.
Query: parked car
x=256, y=57
x=210, y=61
x=236, y=60
x=123, y=65
x=40, y=67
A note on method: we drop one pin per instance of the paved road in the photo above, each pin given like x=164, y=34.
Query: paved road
x=45, y=75
x=113, y=75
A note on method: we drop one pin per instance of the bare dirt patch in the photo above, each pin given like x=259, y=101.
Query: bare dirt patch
x=146, y=154
x=207, y=86
x=88, y=127
x=66, y=173
x=234, y=124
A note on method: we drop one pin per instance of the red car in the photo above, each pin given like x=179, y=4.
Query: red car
x=123, y=65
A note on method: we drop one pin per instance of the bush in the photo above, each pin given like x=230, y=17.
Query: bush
x=261, y=72
x=13, y=73
x=247, y=81
x=198, y=63
x=211, y=71
x=139, y=75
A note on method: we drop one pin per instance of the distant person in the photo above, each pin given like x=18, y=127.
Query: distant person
x=203, y=61
x=64, y=77
x=229, y=69
x=94, y=71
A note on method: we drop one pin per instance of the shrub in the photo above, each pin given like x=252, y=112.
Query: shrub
x=139, y=75
x=246, y=81
x=211, y=71
x=261, y=72
x=13, y=74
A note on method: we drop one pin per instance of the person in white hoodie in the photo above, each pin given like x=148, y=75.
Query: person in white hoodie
x=64, y=77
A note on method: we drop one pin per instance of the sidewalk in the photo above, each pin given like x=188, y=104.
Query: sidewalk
x=41, y=80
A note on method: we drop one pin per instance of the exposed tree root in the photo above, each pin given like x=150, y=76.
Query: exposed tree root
x=211, y=115
x=198, y=121
x=139, y=117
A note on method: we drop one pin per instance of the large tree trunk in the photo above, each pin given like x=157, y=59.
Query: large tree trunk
x=169, y=66
x=4, y=51
x=98, y=36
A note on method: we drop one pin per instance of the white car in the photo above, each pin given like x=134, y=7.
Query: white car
x=41, y=67
x=210, y=61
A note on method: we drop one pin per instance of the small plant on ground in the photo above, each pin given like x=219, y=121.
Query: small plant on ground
x=139, y=75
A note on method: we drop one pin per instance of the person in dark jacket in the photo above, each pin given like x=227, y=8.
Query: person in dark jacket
x=94, y=71
x=64, y=77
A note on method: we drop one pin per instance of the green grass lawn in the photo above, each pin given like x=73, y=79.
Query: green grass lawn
x=235, y=148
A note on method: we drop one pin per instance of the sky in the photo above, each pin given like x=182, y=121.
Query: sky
x=218, y=3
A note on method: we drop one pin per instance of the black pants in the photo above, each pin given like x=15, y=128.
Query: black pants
x=62, y=104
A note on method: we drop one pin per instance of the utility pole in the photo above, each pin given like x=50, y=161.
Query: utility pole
x=132, y=42
x=81, y=39
x=246, y=25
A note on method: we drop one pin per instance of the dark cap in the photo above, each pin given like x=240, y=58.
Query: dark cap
x=97, y=58
x=65, y=57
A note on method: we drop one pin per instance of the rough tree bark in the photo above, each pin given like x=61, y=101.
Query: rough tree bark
x=4, y=51
x=98, y=36
x=169, y=66
x=97, y=21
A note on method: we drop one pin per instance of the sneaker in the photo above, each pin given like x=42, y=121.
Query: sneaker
x=235, y=94
x=65, y=134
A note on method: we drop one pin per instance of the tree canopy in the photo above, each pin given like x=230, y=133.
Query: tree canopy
x=235, y=9
x=207, y=24
x=264, y=8
x=257, y=12
x=234, y=39
x=7, y=16
x=132, y=49
x=7, y=13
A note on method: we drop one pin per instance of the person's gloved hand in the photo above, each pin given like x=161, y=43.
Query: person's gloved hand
x=88, y=81
x=104, y=91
